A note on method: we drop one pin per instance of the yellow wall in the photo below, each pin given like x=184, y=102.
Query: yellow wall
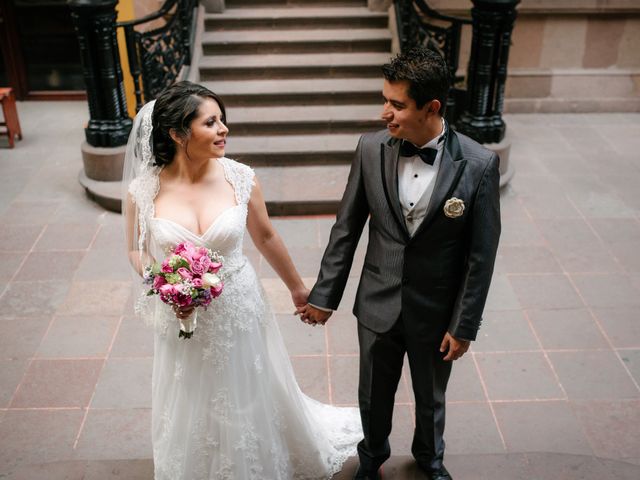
x=126, y=12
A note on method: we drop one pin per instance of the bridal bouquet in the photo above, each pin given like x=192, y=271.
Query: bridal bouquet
x=187, y=277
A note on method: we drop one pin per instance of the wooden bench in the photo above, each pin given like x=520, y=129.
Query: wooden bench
x=11, y=122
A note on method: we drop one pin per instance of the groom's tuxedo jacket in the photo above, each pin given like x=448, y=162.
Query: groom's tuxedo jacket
x=437, y=278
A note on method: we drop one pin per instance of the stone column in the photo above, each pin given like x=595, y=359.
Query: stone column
x=109, y=124
x=379, y=5
x=213, y=6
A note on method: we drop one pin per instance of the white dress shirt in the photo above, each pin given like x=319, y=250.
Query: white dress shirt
x=416, y=180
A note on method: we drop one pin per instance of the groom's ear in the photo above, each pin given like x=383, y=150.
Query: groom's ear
x=434, y=107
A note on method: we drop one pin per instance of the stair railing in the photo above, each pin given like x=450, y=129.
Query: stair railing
x=415, y=25
x=157, y=56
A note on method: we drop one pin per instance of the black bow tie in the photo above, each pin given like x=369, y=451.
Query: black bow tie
x=428, y=155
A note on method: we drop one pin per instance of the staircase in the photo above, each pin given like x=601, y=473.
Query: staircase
x=301, y=81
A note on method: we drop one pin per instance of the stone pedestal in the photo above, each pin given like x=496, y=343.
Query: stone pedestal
x=503, y=149
x=379, y=5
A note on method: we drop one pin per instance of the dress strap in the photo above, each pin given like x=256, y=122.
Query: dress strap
x=241, y=177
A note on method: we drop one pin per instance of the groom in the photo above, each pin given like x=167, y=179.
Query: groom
x=432, y=200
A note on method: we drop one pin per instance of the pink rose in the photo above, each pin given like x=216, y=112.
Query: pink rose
x=214, y=267
x=197, y=267
x=166, y=268
x=217, y=290
x=197, y=282
x=168, y=289
x=158, y=281
x=184, y=273
x=182, y=299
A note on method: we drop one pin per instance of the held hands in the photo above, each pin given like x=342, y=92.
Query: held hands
x=313, y=316
x=457, y=348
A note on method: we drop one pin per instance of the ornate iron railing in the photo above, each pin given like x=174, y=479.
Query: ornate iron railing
x=157, y=56
x=414, y=21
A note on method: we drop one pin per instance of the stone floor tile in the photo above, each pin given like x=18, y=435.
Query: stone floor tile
x=58, y=470
x=114, y=384
x=567, y=329
x=541, y=427
x=509, y=466
x=298, y=232
x=471, y=429
x=402, y=430
x=110, y=237
x=279, y=296
x=543, y=184
x=607, y=290
x=11, y=373
x=19, y=238
x=311, y=374
x=134, y=339
x=342, y=330
x=20, y=337
x=576, y=247
x=48, y=266
x=504, y=330
x=545, y=291
x=528, y=259
x=563, y=467
x=607, y=423
x=23, y=440
x=344, y=372
x=631, y=359
x=9, y=263
x=132, y=469
x=33, y=212
x=621, y=325
x=302, y=339
x=23, y=299
x=520, y=231
x=57, y=383
x=595, y=375
x=78, y=336
x=104, y=265
x=501, y=295
x=518, y=376
x=95, y=298
x=306, y=261
x=548, y=206
x=116, y=435
x=66, y=236
x=464, y=382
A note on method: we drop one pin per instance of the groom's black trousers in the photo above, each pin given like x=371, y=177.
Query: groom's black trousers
x=381, y=358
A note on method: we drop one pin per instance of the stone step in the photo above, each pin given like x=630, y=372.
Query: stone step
x=294, y=3
x=317, y=65
x=299, y=120
x=296, y=41
x=295, y=18
x=303, y=190
x=289, y=150
x=325, y=91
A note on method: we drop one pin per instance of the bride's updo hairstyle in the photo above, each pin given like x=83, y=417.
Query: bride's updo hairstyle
x=176, y=108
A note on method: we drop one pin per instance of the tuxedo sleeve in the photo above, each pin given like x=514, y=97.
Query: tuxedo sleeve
x=345, y=234
x=483, y=245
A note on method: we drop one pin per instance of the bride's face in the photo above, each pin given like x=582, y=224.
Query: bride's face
x=208, y=133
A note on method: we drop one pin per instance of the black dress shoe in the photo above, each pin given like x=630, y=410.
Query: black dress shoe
x=362, y=475
x=440, y=474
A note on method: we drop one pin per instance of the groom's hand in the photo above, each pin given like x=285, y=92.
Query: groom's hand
x=313, y=316
x=457, y=347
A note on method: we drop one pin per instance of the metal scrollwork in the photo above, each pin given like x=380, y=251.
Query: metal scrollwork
x=157, y=56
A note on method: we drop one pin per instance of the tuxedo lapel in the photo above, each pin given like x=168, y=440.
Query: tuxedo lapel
x=451, y=167
x=389, y=154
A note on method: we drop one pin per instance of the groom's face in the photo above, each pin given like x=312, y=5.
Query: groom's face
x=403, y=118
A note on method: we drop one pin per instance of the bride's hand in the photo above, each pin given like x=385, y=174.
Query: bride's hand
x=299, y=297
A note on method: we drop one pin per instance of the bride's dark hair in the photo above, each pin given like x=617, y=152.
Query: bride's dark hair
x=176, y=108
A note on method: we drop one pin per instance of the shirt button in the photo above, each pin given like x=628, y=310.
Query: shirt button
x=411, y=204
x=415, y=176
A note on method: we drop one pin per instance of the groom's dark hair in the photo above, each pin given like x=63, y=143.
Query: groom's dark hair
x=175, y=108
x=427, y=74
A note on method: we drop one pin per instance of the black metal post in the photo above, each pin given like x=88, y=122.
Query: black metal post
x=95, y=23
x=487, y=72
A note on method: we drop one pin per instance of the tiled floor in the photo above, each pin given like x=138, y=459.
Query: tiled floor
x=550, y=390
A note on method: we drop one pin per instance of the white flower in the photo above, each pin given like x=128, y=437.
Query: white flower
x=454, y=207
x=210, y=280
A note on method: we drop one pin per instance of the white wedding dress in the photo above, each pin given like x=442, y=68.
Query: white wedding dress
x=226, y=404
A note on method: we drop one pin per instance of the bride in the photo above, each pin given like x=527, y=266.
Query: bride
x=225, y=402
